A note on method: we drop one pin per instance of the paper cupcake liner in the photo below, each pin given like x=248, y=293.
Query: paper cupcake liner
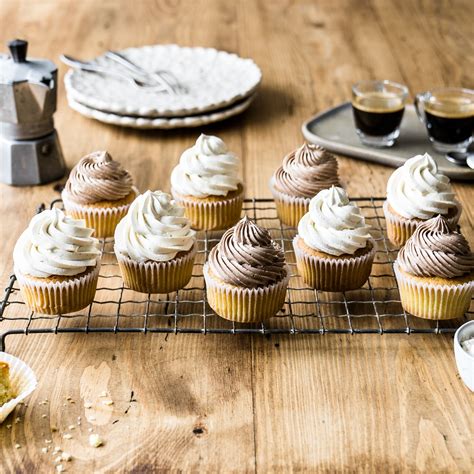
x=103, y=219
x=400, y=229
x=23, y=382
x=333, y=274
x=211, y=215
x=290, y=209
x=245, y=305
x=59, y=297
x=428, y=300
x=157, y=277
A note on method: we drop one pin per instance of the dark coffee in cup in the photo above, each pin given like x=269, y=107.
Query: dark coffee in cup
x=378, y=113
x=448, y=114
x=451, y=121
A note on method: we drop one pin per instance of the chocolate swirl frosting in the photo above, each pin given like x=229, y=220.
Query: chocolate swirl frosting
x=306, y=171
x=247, y=256
x=97, y=177
x=434, y=250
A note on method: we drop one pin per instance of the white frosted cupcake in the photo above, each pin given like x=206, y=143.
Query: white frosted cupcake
x=416, y=192
x=334, y=249
x=206, y=183
x=155, y=245
x=57, y=263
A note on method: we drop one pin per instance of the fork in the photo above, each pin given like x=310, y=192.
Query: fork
x=166, y=78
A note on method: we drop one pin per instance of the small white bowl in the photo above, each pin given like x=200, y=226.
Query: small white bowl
x=464, y=361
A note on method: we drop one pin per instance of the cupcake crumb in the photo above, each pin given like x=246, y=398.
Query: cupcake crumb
x=108, y=402
x=44, y=450
x=66, y=457
x=95, y=440
x=17, y=446
x=67, y=436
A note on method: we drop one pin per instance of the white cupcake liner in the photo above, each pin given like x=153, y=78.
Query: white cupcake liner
x=58, y=297
x=211, y=215
x=334, y=274
x=157, y=277
x=400, y=229
x=290, y=209
x=23, y=382
x=245, y=305
x=102, y=219
x=428, y=300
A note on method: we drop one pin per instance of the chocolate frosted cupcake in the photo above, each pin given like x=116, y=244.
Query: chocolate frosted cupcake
x=155, y=245
x=334, y=249
x=57, y=263
x=304, y=173
x=435, y=272
x=206, y=183
x=100, y=191
x=417, y=192
x=246, y=275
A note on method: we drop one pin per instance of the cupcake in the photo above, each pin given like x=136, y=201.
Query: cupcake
x=435, y=272
x=246, y=275
x=99, y=191
x=206, y=183
x=334, y=249
x=57, y=263
x=17, y=381
x=417, y=192
x=6, y=390
x=304, y=173
x=155, y=245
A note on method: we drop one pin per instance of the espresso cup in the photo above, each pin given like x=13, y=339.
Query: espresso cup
x=378, y=107
x=448, y=114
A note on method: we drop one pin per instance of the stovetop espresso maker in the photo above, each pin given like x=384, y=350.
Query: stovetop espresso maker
x=30, y=152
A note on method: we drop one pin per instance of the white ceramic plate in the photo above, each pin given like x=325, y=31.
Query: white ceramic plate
x=213, y=79
x=161, y=123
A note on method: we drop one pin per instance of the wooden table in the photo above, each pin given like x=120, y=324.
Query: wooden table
x=244, y=403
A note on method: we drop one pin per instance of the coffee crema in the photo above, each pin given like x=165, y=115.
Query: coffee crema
x=378, y=113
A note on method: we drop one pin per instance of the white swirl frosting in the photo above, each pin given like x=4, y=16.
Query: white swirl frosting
x=55, y=244
x=206, y=169
x=154, y=229
x=418, y=190
x=334, y=225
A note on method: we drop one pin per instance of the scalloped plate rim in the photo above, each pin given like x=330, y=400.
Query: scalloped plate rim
x=146, y=123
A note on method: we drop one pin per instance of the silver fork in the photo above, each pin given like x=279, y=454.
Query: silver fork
x=93, y=67
x=165, y=78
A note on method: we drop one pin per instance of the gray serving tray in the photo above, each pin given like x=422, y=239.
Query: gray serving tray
x=334, y=130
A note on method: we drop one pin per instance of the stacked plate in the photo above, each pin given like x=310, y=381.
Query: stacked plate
x=214, y=85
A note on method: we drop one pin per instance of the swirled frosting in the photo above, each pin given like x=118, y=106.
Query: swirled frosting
x=154, y=229
x=206, y=169
x=306, y=171
x=55, y=244
x=334, y=225
x=247, y=256
x=434, y=250
x=97, y=177
x=418, y=190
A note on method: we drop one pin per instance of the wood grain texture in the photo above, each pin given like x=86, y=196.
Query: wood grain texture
x=241, y=403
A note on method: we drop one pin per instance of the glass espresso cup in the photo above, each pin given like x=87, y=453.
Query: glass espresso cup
x=448, y=114
x=378, y=108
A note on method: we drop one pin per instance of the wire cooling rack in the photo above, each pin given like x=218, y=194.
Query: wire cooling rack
x=375, y=308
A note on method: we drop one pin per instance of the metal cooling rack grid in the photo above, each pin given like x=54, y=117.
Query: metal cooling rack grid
x=375, y=308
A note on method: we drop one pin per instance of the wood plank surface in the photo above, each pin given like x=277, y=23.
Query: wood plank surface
x=243, y=403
